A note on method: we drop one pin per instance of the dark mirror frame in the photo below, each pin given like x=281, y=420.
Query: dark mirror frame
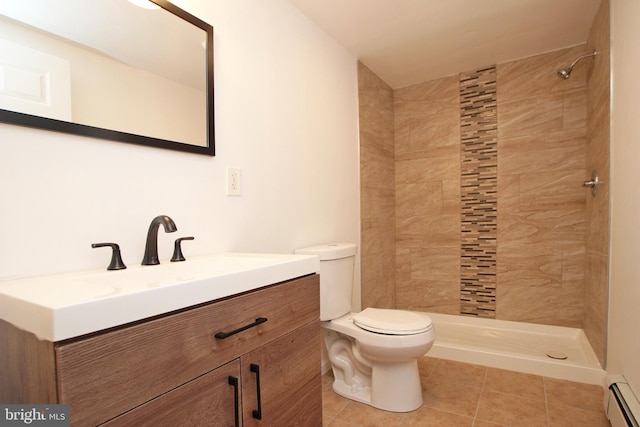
x=29, y=120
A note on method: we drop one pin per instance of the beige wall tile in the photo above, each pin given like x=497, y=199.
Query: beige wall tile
x=377, y=206
x=540, y=268
x=573, y=264
x=429, y=136
x=550, y=190
x=558, y=227
x=596, y=302
x=425, y=170
x=377, y=175
x=556, y=151
x=597, y=209
x=430, y=295
x=441, y=230
x=574, y=109
x=419, y=199
x=560, y=306
x=530, y=116
x=378, y=168
x=434, y=263
x=441, y=91
x=535, y=75
x=427, y=196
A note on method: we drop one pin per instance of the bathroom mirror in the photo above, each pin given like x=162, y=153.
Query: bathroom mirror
x=109, y=69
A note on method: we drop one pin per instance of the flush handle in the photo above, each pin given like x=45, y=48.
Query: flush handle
x=592, y=183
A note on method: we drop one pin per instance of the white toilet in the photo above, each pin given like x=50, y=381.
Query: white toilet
x=374, y=354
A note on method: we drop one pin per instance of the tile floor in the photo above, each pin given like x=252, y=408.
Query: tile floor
x=464, y=395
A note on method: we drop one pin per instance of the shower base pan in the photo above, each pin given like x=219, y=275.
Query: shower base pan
x=550, y=351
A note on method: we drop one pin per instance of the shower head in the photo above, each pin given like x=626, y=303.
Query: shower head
x=565, y=73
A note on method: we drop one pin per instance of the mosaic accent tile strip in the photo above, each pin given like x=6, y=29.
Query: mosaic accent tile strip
x=479, y=183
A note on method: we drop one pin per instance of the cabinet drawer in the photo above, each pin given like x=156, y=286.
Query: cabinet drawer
x=107, y=374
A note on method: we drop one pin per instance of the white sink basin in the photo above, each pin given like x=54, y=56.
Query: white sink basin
x=62, y=306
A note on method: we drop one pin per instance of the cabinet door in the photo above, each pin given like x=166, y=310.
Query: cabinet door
x=281, y=383
x=210, y=400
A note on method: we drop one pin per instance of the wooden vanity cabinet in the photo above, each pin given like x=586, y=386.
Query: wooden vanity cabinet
x=288, y=393
x=172, y=370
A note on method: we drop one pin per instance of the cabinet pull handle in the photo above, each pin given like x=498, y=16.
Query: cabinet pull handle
x=233, y=381
x=223, y=335
x=257, y=413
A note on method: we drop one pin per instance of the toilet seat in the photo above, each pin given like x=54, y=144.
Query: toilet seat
x=392, y=322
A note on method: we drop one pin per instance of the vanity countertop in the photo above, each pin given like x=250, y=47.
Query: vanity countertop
x=62, y=306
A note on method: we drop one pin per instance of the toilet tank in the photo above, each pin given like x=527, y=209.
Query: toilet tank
x=336, y=277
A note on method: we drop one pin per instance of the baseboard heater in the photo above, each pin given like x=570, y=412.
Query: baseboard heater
x=621, y=404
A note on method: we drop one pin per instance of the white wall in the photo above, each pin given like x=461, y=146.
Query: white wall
x=624, y=318
x=286, y=115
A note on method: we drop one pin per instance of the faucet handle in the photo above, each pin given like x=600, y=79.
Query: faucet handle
x=177, y=249
x=116, y=259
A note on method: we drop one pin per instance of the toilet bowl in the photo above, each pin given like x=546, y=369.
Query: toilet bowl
x=378, y=368
x=374, y=353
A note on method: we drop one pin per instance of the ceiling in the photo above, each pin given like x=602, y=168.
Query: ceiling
x=411, y=41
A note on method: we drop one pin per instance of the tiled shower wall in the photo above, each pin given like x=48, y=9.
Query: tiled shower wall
x=377, y=195
x=542, y=127
x=597, y=237
x=538, y=246
x=428, y=207
x=544, y=220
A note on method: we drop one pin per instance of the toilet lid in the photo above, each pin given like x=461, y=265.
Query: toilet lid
x=392, y=322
